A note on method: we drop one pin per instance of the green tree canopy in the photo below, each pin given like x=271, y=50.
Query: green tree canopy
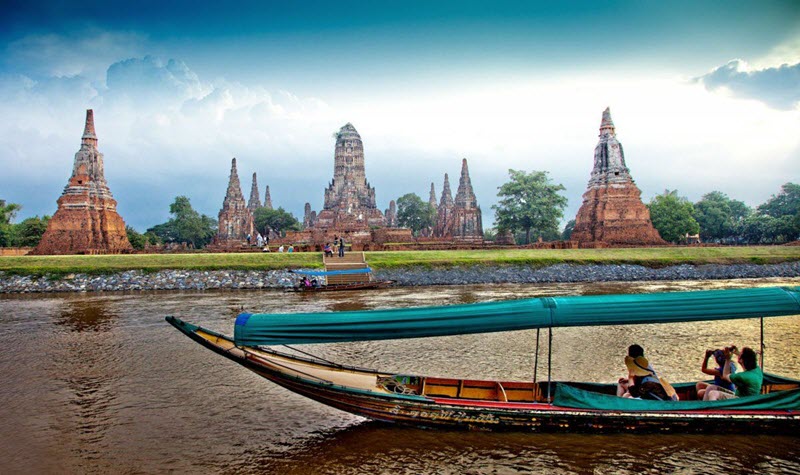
x=136, y=238
x=570, y=226
x=29, y=232
x=785, y=206
x=186, y=225
x=8, y=211
x=414, y=213
x=530, y=202
x=672, y=216
x=7, y=231
x=719, y=216
x=277, y=220
x=785, y=203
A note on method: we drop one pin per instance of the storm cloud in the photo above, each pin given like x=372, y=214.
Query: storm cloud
x=778, y=87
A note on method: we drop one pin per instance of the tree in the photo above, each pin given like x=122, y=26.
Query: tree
x=785, y=203
x=414, y=213
x=756, y=229
x=277, y=220
x=672, y=216
x=719, y=216
x=7, y=213
x=29, y=232
x=786, y=207
x=568, y=230
x=136, y=239
x=531, y=203
x=186, y=225
x=490, y=234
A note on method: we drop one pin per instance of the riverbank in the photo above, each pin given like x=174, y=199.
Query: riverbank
x=137, y=280
x=652, y=257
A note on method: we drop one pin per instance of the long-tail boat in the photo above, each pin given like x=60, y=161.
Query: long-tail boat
x=337, y=280
x=545, y=405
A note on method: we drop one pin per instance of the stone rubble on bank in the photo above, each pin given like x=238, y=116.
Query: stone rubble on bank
x=276, y=279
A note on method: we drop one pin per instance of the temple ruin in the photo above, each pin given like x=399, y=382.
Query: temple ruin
x=267, y=198
x=86, y=221
x=255, y=200
x=235, y=219
x=612, y=213
x=458, y=219
x=444, y=213
x=467, y=219
x=349, y=199
x=391, y=215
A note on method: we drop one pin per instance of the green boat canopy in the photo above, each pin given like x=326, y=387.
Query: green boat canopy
x=546, y=312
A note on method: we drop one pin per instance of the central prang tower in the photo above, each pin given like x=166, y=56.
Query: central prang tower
x=349, y=199
x=612, y=213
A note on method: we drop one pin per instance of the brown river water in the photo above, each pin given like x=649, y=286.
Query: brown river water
x=100, y=383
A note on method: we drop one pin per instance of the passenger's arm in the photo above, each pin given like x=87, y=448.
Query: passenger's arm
x=726, y=372
x=705, y=369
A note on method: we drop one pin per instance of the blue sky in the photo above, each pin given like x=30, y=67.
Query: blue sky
x=704, y=95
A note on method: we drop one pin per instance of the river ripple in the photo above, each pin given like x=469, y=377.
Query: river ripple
x=99, y=383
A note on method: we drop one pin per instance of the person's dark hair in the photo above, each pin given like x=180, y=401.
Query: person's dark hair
x=635, y=350
x=749, y=360
x=719, y=357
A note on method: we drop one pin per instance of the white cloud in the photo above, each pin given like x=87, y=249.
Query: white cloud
x=787, y=52
x=778, y=87
x=166, y=131
x=86, y=53
x=151, y=81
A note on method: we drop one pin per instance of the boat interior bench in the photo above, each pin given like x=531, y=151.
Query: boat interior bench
x=520, y=391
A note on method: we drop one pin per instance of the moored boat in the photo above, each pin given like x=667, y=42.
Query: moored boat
x=509, y=405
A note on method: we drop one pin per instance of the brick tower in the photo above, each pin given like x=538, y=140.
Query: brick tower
x=86, y=221
x=349, y=199
x=235, y=220
x=467, y=221
x=444, y=216
x=612, y=213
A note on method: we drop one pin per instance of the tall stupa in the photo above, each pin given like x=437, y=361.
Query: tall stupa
x=612, y=213
x=235, y=219
x=349, y=199
x=86, y=221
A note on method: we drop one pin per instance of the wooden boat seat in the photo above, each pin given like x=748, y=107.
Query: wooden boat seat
x=506, y=391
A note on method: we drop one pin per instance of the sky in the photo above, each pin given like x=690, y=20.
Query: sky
x=705, y=96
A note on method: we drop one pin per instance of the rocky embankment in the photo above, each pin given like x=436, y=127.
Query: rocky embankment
x=209, y=280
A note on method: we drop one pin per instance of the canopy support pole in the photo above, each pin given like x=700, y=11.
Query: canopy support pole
x=762, y=344
x=536, y=357
x=549, y=359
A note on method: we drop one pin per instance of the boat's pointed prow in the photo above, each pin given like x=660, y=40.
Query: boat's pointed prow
x=184, y=327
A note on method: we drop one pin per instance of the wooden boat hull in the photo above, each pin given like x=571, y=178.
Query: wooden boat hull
x=307, y=377
x=382, y=284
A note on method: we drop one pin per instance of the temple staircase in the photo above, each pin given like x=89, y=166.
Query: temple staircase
x=351, y=260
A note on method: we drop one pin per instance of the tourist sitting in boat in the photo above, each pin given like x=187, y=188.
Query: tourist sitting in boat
x=327, y=249
x=748, y=382
x=315, y=283
x=642, y=381
x=306, y=283
x=719, y=357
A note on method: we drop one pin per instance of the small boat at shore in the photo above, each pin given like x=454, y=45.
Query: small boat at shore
x=337, y=280
x=547, y=405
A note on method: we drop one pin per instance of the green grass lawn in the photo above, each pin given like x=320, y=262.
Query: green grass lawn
x=650, y=257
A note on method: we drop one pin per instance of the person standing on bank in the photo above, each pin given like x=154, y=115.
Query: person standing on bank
x=341, y=247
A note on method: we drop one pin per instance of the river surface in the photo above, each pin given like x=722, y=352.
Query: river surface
x=100, y=383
